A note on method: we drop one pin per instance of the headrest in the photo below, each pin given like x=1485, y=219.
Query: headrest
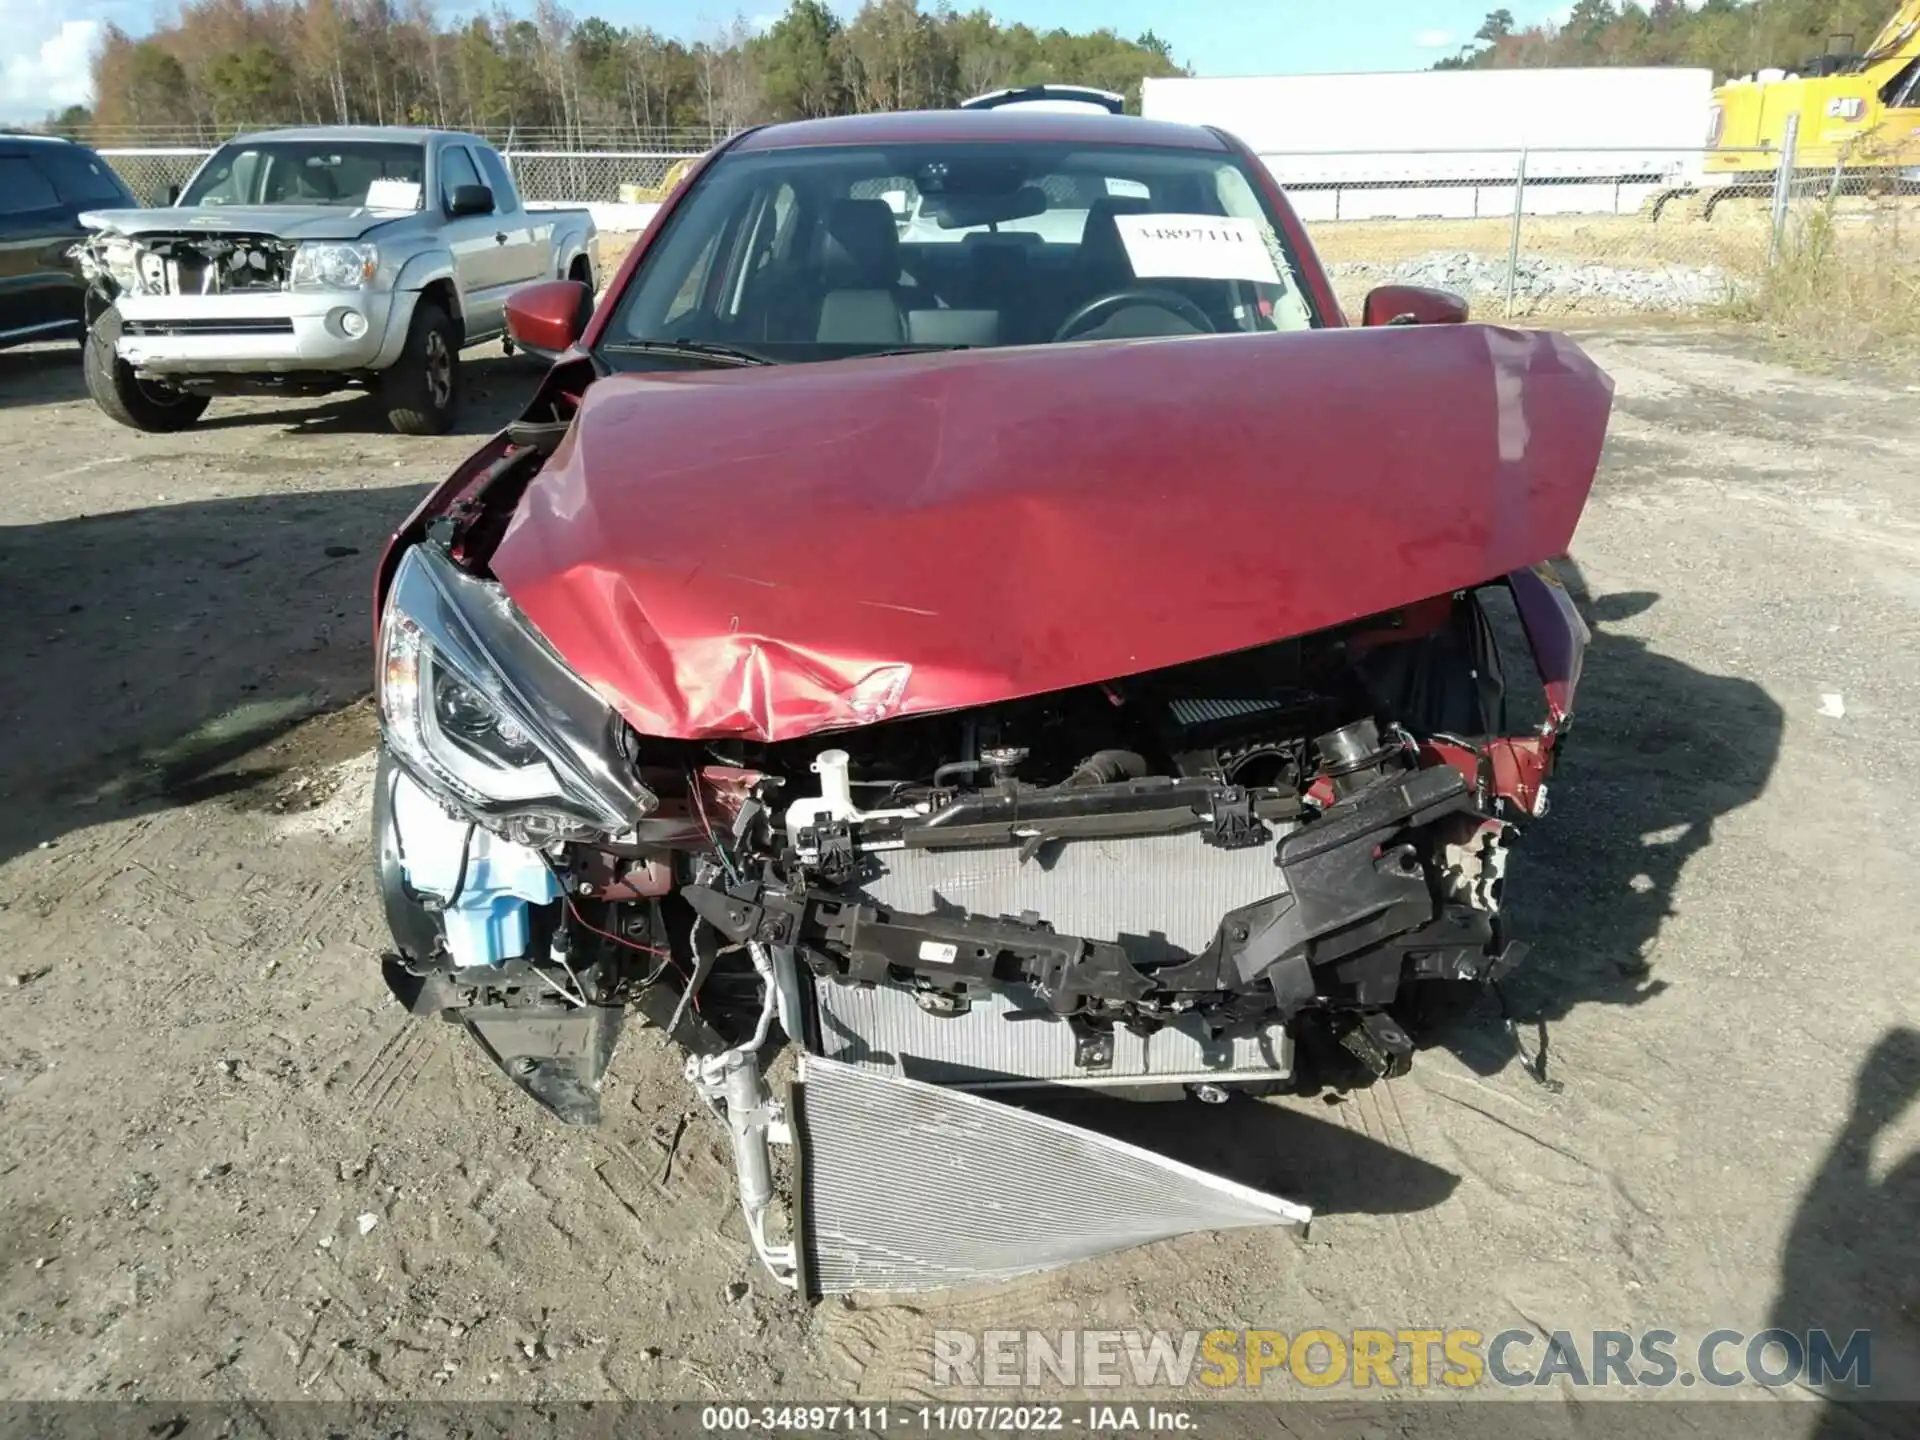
x=1102, y=252
x=861, y=249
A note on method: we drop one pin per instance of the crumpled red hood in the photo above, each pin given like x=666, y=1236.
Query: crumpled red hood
x=775, y=551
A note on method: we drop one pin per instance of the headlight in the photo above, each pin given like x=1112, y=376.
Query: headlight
x=122, y=259
x=483, y=713
x=334, y=267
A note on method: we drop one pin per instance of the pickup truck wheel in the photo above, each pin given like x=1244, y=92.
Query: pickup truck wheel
x=139, y=404
x=422, y=389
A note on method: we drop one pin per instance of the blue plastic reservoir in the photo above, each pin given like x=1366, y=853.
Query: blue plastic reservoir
x=487, y=923
x=485, y=881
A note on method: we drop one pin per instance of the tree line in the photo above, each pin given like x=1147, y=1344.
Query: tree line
x=1729, y=37
x=222, y=65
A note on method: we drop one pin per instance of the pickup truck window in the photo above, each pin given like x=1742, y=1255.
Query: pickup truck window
x=506, y=199
x=23, y=187
x=303, y=172
x=456, y=169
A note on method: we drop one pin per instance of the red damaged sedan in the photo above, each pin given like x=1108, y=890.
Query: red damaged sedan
x=966, y=615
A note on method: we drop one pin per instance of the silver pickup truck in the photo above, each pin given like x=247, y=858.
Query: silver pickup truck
x=306, y=261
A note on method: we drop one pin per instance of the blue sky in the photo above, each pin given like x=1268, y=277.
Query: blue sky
x=49, y=40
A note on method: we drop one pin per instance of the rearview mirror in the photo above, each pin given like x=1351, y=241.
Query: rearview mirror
x=173, y=195
x=470, y=200
x=1412, y=305
x=964, y=211
x=550, y=317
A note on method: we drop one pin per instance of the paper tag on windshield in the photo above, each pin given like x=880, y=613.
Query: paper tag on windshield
x=393, y=195
x=1196, y=247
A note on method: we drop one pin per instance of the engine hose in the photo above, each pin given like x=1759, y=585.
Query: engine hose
x=1104, y=767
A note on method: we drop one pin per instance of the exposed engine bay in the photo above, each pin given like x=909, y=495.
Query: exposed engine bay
x=186, y=264
x=1219, y=849
x=1247, y=842
x=1163, y=882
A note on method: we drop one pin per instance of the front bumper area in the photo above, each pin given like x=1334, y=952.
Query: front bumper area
x=275, y=332
x=975, y=1189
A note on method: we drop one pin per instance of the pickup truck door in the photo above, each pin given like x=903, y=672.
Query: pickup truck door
x=528, y=249
x=476, y=245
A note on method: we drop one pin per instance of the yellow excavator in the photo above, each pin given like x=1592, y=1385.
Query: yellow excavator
x=1858, y=127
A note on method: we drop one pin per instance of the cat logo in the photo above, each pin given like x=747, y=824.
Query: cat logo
x=1846, y=107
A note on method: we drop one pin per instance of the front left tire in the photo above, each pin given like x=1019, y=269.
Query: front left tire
x=145, y=405
x=422, y=390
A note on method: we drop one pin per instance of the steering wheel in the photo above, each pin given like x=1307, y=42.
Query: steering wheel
x=1102, y=306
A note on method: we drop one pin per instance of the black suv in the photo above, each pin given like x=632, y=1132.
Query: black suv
x=44, y=185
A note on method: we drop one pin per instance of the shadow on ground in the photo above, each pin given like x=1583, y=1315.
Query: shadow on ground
x=1852, y=1257
x=147, y=648
x=1284, y=1150
x=1659, y=753
x=40, y=375
x=494, y=388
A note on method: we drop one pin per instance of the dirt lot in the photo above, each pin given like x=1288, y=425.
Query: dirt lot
x=230, y=1167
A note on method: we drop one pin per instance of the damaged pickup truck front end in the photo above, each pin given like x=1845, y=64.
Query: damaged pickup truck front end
x=768, y=706
x=311, y=261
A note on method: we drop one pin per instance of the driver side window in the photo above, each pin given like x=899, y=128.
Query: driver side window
x=456, y=169
x=230, y=178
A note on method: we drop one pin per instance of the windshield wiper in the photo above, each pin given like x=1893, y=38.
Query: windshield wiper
x=688, y=349
x=910, y=350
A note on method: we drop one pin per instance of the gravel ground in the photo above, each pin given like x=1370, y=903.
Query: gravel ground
x=230, y=1168
x=1548, y=285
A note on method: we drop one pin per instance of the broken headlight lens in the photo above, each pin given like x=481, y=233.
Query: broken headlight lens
x=480, y=709
x=122, y=261
x=330, y=266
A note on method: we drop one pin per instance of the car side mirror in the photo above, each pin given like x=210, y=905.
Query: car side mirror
x=1412, y=305
x=550, y=317
x=173, y=194
x=470, y=200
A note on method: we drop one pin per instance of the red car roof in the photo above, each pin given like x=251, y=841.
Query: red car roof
x=1012, y=123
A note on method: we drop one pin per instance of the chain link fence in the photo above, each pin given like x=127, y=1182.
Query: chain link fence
x=1548, y=234
x=1842, y=278
x=1523, y=234
x=1533, y=233
x=151, y=171
x=593, y=177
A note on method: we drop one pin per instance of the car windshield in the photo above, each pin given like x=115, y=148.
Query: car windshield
x=822, y=253
x=311, y=172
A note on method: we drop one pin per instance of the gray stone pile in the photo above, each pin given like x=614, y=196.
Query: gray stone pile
x=1559, y=283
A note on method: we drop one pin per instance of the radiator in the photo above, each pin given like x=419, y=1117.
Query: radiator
x=1162, y=897
x=880, y=1028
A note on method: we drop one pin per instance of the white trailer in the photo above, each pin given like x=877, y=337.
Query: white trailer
x=1451, y=143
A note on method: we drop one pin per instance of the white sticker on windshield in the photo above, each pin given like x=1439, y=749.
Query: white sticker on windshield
x=393, y=195
x=1196, y=247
